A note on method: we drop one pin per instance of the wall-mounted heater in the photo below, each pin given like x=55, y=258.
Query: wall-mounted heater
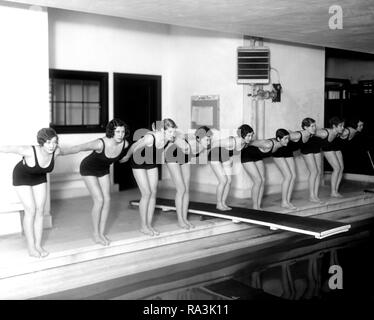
x=253, y=65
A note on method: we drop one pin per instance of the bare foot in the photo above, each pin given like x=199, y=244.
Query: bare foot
x=289, y=206
x=183, y=225
x=190, y=224
x=43, y=253
x=98, y=240
x=147, y=231
x=221, y=207
x=336, y=195
x=227, y=207
x=285, y=205
x=292, y=207
x=155, y=232
x=34, y=253
x=105, y=239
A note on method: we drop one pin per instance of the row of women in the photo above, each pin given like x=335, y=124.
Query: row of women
x=164, y=144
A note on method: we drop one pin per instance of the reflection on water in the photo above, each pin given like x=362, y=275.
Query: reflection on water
x=307, y=276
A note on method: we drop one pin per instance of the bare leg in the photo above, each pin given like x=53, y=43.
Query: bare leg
x=222, y=180
x=186, y=173
x=313, y=172
x=292, y=167
x=339, y=156
x=227, y=167
x=26, y=196
x=256, y=178
x=334, y=163
x=40, y=196
x=94, y=188
x=141, y=178
x=318, y=162
x=176, y=175
x=261, y=170
x=286, y=173
x=153, y=182
x=105, y=189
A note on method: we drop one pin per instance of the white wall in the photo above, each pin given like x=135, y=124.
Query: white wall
x=23, y=83
x=88, y=42
x=191, y=62
x=302, y=76
x=203, y=63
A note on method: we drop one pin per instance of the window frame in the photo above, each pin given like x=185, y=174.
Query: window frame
x=102, y=78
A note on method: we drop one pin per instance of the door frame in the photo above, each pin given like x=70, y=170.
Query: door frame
x=158, y=86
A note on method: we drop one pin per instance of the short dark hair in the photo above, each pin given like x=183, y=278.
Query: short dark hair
x=163, y=124
x=354, y=122
x=202, y=132
x=243, y=130
x=113, y=125
x=307, y=122
x=334, y=121
x=281, y=133
x=45, y=134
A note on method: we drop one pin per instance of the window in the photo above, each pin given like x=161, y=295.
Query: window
x=78, y=101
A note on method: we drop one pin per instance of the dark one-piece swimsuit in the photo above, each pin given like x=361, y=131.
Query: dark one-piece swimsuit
x=97, y=163
x=23, y=175
x=290, y=148
x=253, y=154
x=148, y=157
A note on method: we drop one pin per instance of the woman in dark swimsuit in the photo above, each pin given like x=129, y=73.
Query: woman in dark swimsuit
x=354, y=127
x=331, y=147
x=252, y=159
x=284, y=160
x=94, y=170
x=30, y=182
x=146, y=154
x=220, y=159
x=350, y=142
x=177, y=158
x=311, y=152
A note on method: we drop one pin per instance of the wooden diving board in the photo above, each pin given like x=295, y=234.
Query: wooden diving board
x=318, y=228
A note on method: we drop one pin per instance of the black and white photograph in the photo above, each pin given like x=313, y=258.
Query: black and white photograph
x=187, y=154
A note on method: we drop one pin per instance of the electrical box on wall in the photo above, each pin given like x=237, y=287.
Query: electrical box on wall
x=253, y=65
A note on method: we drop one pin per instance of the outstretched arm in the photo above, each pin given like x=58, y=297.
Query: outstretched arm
x=21, y=150
x=321, y=133
x=224, y=143
x=95, y=145
x=141, y=143
x=295, y=135
x=264, y=144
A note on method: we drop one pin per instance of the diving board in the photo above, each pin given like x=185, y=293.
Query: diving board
x=318, y=228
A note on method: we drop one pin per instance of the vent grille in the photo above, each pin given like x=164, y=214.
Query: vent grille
x=253, y=65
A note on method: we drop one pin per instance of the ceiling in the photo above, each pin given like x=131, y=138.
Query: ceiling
x=299, y=21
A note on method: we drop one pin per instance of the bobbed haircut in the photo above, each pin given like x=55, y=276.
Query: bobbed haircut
x=164, y=124
x=354, y=122
x=307, y=122
x=243, y=130
x=202, y=132
x=281, y=133
x=335, y=121
x=113, y=125
x=45, y=134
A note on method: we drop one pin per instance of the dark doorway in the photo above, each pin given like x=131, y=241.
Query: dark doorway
x=349, y=99
x=137, y=101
